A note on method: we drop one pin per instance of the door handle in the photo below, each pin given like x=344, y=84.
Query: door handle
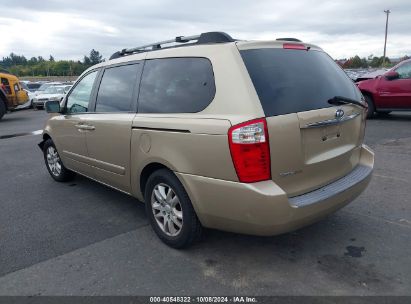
x=85, y=127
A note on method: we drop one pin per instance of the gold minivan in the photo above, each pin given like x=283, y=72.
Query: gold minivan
x=254, y=137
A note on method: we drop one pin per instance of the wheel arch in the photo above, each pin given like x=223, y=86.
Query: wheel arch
x=368, y=93
x=147, y=171
x=371, y=103
x=45, y=136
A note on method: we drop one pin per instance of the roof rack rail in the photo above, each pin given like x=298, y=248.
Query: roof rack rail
x=204, y=38
x=289, y=39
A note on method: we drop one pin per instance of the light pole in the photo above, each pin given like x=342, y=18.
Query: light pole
x=386, y=31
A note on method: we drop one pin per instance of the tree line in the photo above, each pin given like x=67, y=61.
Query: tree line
x=369, y=62
x=38, y=66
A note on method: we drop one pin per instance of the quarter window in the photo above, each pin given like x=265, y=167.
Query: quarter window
x=176, y=85
x=79, y=97
x=116, y=88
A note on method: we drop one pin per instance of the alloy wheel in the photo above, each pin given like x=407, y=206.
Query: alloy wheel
x=53, y=161
x=167, y=210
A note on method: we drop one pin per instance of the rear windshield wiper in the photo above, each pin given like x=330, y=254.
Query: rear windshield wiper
x=340, y=100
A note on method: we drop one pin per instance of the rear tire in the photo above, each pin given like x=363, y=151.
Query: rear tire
x=170, y=211
x=3, y=108
x=371, y=107
x=54, y=164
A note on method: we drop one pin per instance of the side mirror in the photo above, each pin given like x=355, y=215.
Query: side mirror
x=391, y=75
x=53, y=106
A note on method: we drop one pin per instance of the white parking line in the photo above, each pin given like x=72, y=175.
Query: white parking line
x=37, y=132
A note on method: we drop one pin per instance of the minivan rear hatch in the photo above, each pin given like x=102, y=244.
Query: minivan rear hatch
x=312, y=142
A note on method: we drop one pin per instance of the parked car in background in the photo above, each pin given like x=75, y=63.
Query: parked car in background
x=53, y=93
x=11, y=93
x=255, y=137
x=390, y=91
x=362, y=74
x=44, y=86
x=33, y=86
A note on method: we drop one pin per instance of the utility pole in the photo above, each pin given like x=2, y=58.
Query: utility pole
x=386, y=32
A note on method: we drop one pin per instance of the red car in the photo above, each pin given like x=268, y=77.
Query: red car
x=390, y=91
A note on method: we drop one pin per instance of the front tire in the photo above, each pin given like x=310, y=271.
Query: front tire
x=371, y=107
x=54, y=164
x=3, y=108
x=170, y=211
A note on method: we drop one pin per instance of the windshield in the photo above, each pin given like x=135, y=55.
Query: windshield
x=33, y=86
x=291, y=81
x=54, y=90
x=43, y=86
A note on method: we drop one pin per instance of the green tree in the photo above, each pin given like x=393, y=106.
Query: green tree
x=356, y=62
x=377, y=62
x=38, y=66
x=33, y=61
x=95, y=57
x=86, y=61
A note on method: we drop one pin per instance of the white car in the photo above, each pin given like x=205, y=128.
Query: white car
x=56, y=92
x=45, y=86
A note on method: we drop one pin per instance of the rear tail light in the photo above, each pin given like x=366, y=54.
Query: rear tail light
x=250, y=150
x=294, y=46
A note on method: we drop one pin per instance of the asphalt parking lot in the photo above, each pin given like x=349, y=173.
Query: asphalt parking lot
x=82, y=238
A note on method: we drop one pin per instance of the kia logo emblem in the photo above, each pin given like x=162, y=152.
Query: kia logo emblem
x=339, y=114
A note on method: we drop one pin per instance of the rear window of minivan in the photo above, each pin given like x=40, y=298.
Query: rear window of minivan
x=290, y=81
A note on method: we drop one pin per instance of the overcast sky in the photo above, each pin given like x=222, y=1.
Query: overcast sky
x=69, y=29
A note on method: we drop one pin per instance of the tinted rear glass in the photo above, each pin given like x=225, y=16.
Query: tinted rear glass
x=290, y=81
x=176, y=85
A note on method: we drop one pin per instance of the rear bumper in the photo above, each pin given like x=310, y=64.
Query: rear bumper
x=263, y=208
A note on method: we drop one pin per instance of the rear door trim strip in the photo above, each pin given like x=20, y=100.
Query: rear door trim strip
x=162, y=129
x=330, y=122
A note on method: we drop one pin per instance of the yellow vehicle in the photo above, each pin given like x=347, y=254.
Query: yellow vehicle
x=11, y=93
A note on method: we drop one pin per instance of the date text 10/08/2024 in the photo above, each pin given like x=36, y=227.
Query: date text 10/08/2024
x=203, y=299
